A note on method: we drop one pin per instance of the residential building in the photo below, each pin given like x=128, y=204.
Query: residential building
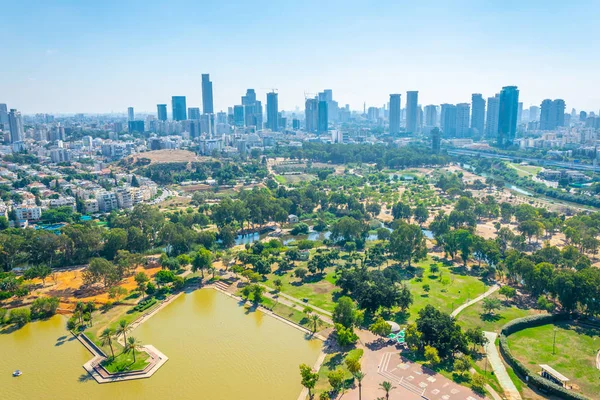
x=311, y=113
x=162, y=112
x=448, y=120
x=412, y=111
x=272, y=112
x=15, y=124
x=552, y=114
x=477, y=114
x=507, y=115
x=178, y=108
x=323, y=123
x=194, y=113
x=29, y=213
x=463, y=111
x=430, y=116
x=493, y=109
x=130, y=114
x=395, y=108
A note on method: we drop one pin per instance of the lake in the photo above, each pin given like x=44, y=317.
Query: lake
x=216, y=351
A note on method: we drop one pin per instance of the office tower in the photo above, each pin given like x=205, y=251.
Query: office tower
x=323, y=122
x=463, y=111
x=207, y=124
x=272, y=112
x=3, y=115
x=296, y=124
x=194, y=113
x=249, y=98
x=436, y=139
x=162, y=112
x=582, y=116
x=311, y=114
x=395, y=113
x=430, y=115
x=412, y=111
x=507, y=115
x=534, y=113
x=552, y=114
x=15, y=124
x=448, y=120
x=135, y=126
x=493, y=108
x=519, y=113
x=477, y=113
x=221, y=117
x=130, y=114
x=258, y=114
x=238, y=116
x=178, y=108
x=207, y=94
x=251, y=109
x=328, y=93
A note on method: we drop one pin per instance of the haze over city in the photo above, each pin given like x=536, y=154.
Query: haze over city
x=69, y=56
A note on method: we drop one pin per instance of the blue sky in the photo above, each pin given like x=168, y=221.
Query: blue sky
x=102, y=56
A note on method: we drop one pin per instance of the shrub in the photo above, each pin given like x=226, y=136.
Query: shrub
x=20, y=316
x=44, y=307
x=145, y=304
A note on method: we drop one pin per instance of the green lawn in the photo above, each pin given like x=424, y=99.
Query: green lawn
x=124, y=362
x=525, y=170
x=474, y=316
x=445, y=294
x=575, y=354
x=333, y=361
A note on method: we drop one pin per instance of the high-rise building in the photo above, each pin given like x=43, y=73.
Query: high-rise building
x=311, y=114
x=162, y=112
x=448, y=120
x=552, y=114
x=178, y=108
x=253, y=116
x=4, y=115
x=207, y=94
x=507, y=115
x=323, y=121
x=436, y=140
x=493, y=108
x=15, y=124
x=272, y=112
x=135, y=126
x=130, y=114
x=520, y=113
x=582, y=116
x=412, y=111
x=463, y=111
x=194, y=113
x=395, y=109
x=430, y=116
x=477, y=113
x=238, y=116
x=534, y=113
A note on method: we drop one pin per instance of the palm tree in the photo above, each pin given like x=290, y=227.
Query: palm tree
x=387, y=387
x=122, y=329
x=359, y=377
x=315, y=321
x=131, y=346
x=106, y=339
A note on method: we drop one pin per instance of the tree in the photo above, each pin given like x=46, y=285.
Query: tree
x=39, y=271
x=476, y=336
x=131, y=346
x=401, y=211
x=440, y=330
x=106, y=339
x=464, y=239
x=116, y=292
x=462, y=365
x=345, y=336
x=380, y=327
x=508, y=292
x=353, y=365
x=115, y=239
x=359, y=375
x=122, y=329
x=163, y=277
x=44, y=307
x=530, y=229
x=407, y=243
x=278, y=283
x=478, y=383
x=309, y=378
x=421, y=214
x=432, y=356
x=141, y=279
x=490, y=304
x=344, y=312
x=315, y=321
x=336, y=379
x=387, y=387
x=202, y=261
x=20, y=316
x=101, y=270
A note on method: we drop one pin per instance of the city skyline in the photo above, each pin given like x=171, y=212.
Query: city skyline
x=456, y=50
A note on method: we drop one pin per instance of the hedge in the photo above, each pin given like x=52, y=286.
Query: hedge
x=145, y=304
x=541, y=383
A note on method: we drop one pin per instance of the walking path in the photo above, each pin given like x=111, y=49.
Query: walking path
x=510, y=390
x=300, y=302
x=475, y=300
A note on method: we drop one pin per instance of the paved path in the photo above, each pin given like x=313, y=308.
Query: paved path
x=296, y=306
x=510, y=390
x=475, y=300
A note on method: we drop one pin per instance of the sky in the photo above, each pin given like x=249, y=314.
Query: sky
x=68, y=56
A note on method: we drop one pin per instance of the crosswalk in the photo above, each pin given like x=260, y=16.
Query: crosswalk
x=385, y=361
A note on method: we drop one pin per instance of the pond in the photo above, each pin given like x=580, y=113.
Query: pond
x=216, y=351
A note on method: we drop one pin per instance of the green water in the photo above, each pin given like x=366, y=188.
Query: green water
x=216, y=351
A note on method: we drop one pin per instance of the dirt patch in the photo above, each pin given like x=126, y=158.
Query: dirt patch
x=169, y=156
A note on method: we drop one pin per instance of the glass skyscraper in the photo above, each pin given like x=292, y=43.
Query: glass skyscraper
x=395, y=113
x=272, y=112
x=162, y=112
x=507, y=115
x=207, y=95
x=179, y=108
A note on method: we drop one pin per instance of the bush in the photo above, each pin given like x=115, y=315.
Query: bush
x=44, y=307
x=300, y=229
x=20, y=316
x=541, y=383
x=145, y=304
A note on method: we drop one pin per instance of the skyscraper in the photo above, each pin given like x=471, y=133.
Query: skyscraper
x=238, y=116
x=412, y=111
x=519, y=113
x=534, y=113
x=436, y=139
x=207, y=94
x=15, y=123
x=162, y=112
x=462, y=119
x=323, y=122
x=178, y=108
x=430, y=116
x=507, y=115
x=251, y=109
x=493, y=107
x=311, y=115
x=552, y=114
x=448, y=120
x=194, y=113
x=272, y=112
x=130, y=114
x=477, y=113
x=395, y=113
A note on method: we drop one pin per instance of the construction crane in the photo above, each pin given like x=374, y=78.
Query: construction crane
x=274, y=90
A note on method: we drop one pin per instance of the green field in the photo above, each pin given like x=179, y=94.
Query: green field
x=474, y=316
x=525, y=170
x=333, y=361
x=575, y=354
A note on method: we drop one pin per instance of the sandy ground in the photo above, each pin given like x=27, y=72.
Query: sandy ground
x=169, y=156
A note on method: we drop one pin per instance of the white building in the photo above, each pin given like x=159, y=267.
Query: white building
x=28, y=213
